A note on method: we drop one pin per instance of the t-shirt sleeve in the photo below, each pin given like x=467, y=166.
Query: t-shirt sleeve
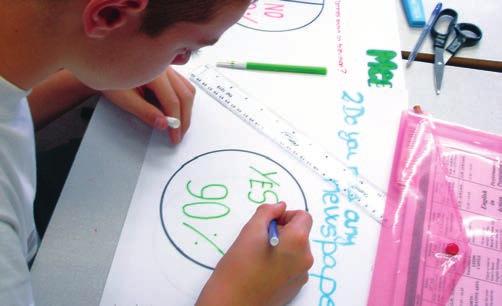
x=18, y=237
x=15, y=284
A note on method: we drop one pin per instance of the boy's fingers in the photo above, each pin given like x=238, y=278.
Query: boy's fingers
x=302, y=219
x=169, y=102
x=132, y=102
x=268, y=212
x=288, y=216
x=299, y=224
x=188, y=84
x=185, y=95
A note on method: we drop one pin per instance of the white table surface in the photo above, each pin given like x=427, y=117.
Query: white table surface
x=468, y=96
x=78, y=248
x=485, y=14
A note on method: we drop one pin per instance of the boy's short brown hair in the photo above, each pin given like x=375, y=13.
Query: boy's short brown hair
x=160, y=14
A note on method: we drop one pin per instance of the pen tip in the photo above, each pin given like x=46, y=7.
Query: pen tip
x=173, y=123
x=231, y=64
x=438, y=92
x=274, y=241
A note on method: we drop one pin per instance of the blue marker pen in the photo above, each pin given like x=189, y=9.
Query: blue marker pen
x=273, y=234
x=414, y=10
x=425, y=31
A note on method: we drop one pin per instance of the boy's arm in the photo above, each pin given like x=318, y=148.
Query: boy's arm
x=58, y=94
x=15, y=285
x=173, y=93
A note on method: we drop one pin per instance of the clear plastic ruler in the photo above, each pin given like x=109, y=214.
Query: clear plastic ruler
x=356, y=188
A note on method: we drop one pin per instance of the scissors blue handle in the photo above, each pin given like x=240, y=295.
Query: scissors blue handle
x=440, y=38
x=466, y=35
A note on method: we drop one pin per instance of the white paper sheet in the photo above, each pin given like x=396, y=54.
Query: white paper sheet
x=169, y=245
x=165, y=248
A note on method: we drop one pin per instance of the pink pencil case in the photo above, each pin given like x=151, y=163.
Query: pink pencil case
x=441, y=238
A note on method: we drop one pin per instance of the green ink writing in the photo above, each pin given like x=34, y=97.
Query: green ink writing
x=379, y=72
x=203, y=195
x=261, y=188
x=264, y=197
x=208, y=208
x=212, y=243
x=205, y=210
x=266, y=175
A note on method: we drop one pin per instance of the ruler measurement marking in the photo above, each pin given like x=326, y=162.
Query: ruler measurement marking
x=275, y=128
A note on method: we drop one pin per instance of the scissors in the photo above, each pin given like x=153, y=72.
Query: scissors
x=466, y=35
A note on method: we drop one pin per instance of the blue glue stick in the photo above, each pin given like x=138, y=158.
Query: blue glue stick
x=414, y=13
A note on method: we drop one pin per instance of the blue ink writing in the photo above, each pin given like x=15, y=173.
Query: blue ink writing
x=338, y=229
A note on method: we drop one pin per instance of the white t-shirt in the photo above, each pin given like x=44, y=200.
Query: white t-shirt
x=18, y=237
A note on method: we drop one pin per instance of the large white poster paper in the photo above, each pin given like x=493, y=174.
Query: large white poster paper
x=191, y=200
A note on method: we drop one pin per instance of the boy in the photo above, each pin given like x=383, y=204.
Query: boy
x=67, y=50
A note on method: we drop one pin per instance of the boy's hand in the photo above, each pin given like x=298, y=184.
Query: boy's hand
x=174, y=97
x=254, y=273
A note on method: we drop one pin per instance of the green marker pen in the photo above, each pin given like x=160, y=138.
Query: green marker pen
x=273, y=67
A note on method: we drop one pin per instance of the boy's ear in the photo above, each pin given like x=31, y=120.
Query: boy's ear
x=101, y=17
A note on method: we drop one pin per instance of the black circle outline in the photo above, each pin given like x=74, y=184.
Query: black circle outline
x=201, y=155
x=293, y=29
